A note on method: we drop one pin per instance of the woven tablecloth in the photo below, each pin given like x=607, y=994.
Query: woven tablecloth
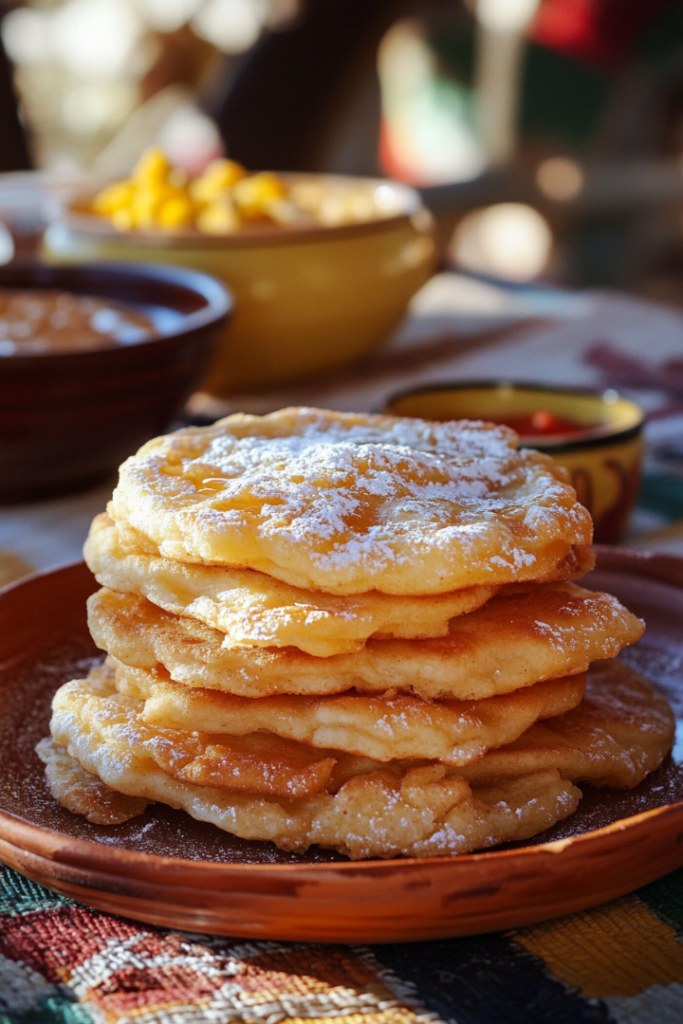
x=61, y=962
x=622, y=962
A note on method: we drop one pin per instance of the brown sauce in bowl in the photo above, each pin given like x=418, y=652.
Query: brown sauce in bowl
x=36, y=321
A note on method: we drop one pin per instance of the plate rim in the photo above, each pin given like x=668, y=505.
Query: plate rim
x=553, y=848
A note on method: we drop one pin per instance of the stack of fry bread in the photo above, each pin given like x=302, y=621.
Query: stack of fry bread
x=357, y=631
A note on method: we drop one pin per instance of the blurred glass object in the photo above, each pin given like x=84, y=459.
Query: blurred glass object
x=86, y=110
x=506, y=15
x=500, y=44
x=168, y=15
x=96, y=39
x=26, y=35
x=509, y=240
x=84, y=68
x=442, y=125
x=231, y=25
x=189, y=138
x=6, y=245
x=428, y=135
x=560, y=178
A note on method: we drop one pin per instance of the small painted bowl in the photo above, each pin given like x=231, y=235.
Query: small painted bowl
x=598, y=437
x=308, y=298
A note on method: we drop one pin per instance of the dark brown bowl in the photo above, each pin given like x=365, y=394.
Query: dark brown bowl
x=68, y=419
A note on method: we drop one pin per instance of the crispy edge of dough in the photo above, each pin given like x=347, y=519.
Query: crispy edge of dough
x=256, y=763
x=425, y=815
x=252, y=609
x=622, y=730
x=83, y=793
x=383, y=728
x=487, y=652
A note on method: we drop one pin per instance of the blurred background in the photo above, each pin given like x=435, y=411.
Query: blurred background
x=546, y=135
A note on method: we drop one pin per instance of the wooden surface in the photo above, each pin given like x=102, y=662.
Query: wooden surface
x=166, y=869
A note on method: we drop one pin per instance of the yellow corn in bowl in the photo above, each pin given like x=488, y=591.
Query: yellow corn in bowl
x=308, y=296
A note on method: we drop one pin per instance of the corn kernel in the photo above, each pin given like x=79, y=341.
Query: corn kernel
x=177, y=212
x=218, y=202
x=282, y=211
x=148, y=201
x=177, y=177
x=224, y=172
x=113, y=197
x=253, y=195
x=152, y=166
x=144, y=207
x=218, y=176
x=220, y=218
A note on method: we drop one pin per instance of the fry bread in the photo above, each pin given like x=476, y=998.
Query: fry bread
x=365, y=809
x=348, y=503
x=516, y=639
x=257, y=763
x=621, y=731
x=253, y=609
x=368, y=811
x=378, y=815
x=401, y=727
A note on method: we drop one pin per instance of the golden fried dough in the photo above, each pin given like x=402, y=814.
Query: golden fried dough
x=369, y=811
x=427, y=813
x=83, y=793
x=375, y=815
x=515, y=640
x=348, y=503
x=257, y=763
x=253, y=609
x=385, y=729
x=621, y=731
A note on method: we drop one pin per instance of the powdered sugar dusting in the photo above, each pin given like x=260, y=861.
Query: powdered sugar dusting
x=349, y=490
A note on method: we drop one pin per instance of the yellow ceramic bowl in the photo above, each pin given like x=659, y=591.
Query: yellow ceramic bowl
x=604, y=459
x=307, y=298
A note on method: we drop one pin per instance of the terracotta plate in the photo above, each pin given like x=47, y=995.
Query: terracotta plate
x=164, y=868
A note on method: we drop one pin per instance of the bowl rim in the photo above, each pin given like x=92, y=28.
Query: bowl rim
x=219, y=301
x=68, y=215
x=604, y=437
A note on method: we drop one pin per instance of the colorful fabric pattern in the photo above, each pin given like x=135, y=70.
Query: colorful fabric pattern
x=61, y=963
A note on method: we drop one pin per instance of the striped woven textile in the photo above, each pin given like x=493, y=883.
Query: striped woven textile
x=61, y=963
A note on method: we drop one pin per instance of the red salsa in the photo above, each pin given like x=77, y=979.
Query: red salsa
x=545, y=424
